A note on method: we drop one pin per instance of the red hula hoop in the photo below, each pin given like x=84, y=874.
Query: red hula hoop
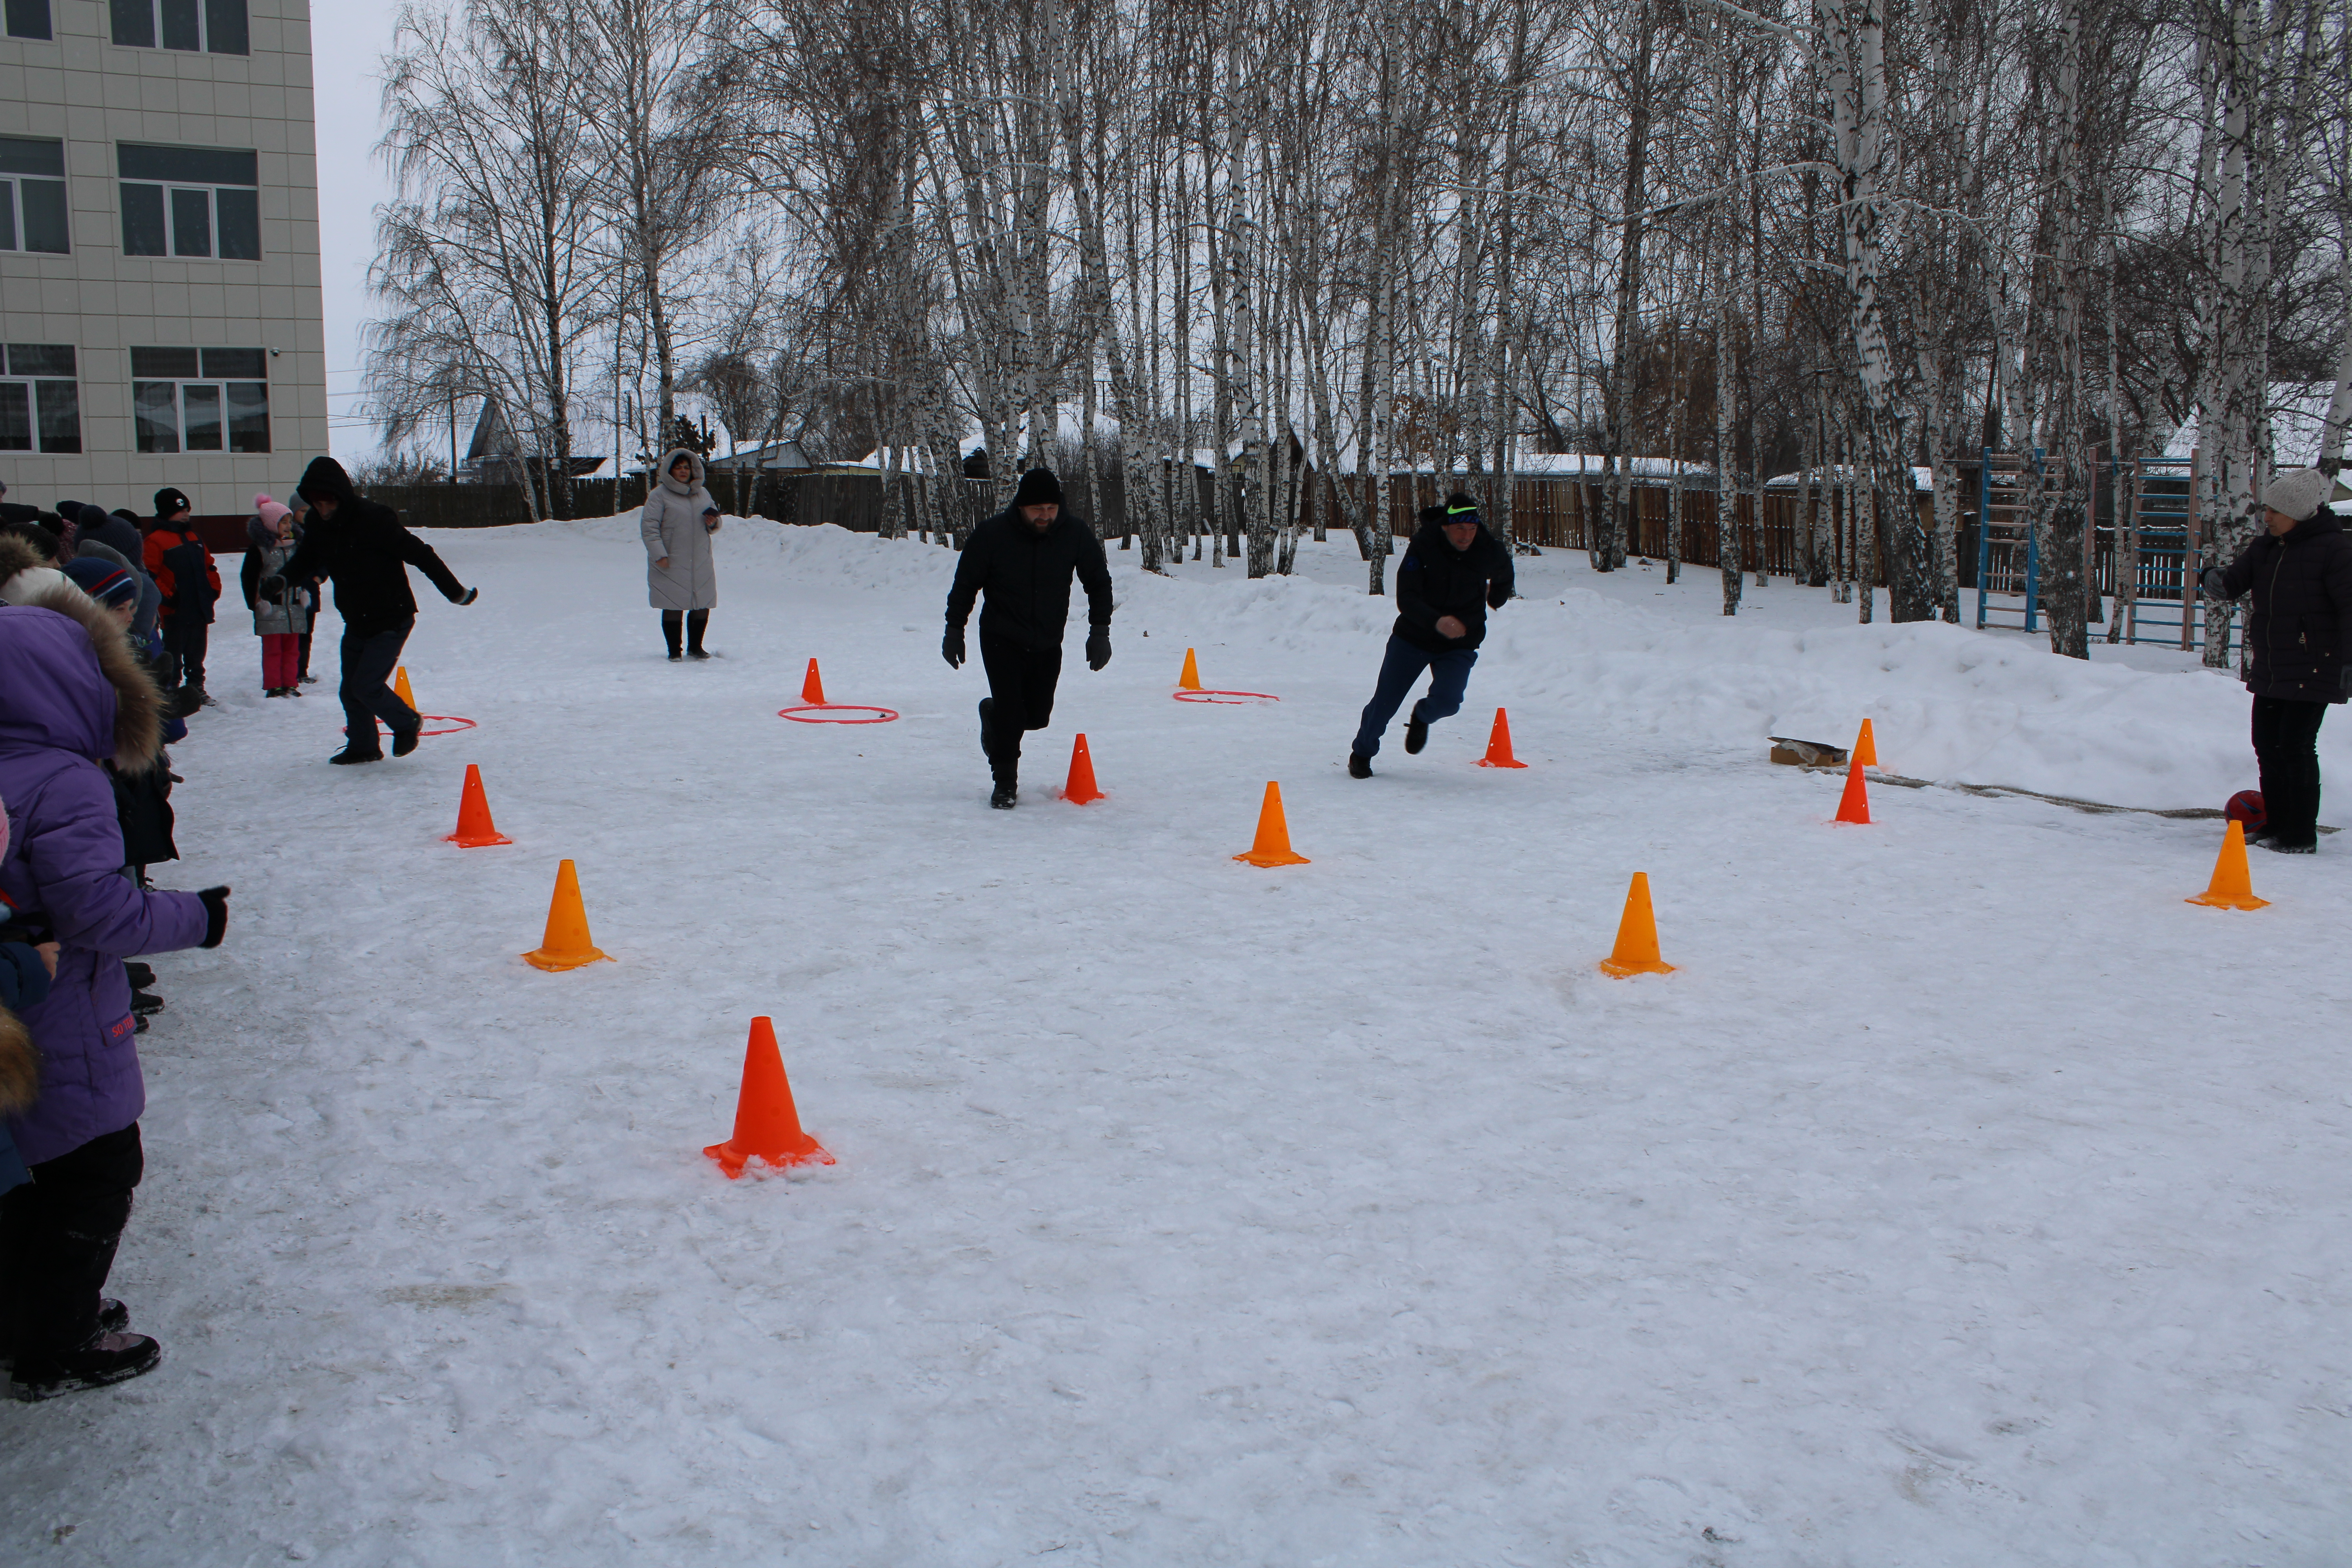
x=1225, y=696
x=812, y=713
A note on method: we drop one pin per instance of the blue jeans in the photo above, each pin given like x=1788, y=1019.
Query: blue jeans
x=1400, y=665
x=368, y=661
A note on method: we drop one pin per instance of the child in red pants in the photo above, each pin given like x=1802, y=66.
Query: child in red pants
x=281, y=612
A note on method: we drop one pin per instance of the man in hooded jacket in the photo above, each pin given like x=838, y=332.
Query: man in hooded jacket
x=363, y=550
x=1022, y=560
x=175, y=555
x=1454, y=571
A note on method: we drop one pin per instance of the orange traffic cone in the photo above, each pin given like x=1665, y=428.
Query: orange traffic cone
x=1637, y=936
x=1498, y=745
x=474, y=827
x=767, y=1124
x=1854, y=804
x=2234, y=885
x=400, y=687
x=566, y=945
x=1272, y=846
x=1865, y=747
x=1081, y=788
x=1191, y=680
x=813, y=689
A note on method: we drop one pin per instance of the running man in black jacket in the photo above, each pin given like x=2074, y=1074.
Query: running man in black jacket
x=1023, y=560
x=1453, y=572
x=363, y=549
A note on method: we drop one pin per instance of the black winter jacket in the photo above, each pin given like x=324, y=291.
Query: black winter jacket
x=1434, y=579
x=1027, y=578
x=365, y=552
x=2302, y=584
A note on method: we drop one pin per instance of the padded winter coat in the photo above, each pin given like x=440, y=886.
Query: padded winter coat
x=1435, y=580
x=365, y=552
x=70, y=697
x=1027, y=578
x=279, y=607
x=184, y=570
x=673, y=526
x=2302, y=584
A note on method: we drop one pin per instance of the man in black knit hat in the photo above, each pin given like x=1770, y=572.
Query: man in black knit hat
x=1023, y=560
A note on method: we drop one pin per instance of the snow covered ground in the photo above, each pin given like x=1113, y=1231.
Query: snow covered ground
x=1965, y=1198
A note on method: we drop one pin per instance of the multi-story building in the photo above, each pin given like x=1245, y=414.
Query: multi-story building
x=160, y=309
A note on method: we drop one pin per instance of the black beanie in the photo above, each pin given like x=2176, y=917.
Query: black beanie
x=1038, y=487
x=1460, y=508
x=168, y=500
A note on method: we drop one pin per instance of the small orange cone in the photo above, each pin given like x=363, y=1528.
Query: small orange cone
x=474, y=827
x=1191, y=680
x=1272, y=846
x=400, y=687
x=813, y=689
x=767, y=1124
x=1854, y=804
x=1498, y=745
x=1865, y=747
x=566, y=945
x=1081, y=788
x=2234, y=885
x=1637, y=936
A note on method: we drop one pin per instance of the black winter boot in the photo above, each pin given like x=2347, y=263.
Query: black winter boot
x=404, y=741
x=670, y=631
x=1360, y=766
x=1416, y=732
x=695, y=621
x=104, y=1358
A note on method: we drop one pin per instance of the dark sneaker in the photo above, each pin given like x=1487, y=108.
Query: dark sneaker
x=114, y=1316
x=2285, y=848
x=1004, y=797
x=677, y=658
x=698, y=653
x=404, y=741
x=106, y=1358
x=146, y=1002
x=137, y=1024
x=1360, y=766
x=1416, y=735
x=309, y=679
x=347, y=756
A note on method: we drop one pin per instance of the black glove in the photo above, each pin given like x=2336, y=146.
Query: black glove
x=471, y=595
x=1097, y=647
x=273, y=590
x=216, y=915
x=951, y=648
x=2212, y=583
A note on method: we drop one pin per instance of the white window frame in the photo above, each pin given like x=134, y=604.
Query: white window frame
x=14, y=198
x=33, y=383
x=217, y=385
x=154, y=9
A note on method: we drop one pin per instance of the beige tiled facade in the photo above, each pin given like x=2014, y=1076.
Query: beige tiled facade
x=93, y=93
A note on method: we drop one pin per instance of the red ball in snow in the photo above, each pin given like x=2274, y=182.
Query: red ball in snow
x=2245, y=809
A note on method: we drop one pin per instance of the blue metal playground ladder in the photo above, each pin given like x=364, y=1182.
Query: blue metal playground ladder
x=2008, y=560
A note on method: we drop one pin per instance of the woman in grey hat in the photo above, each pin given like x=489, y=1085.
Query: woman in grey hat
x=2300, y=575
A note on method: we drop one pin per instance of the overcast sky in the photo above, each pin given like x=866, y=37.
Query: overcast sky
x=348, y=42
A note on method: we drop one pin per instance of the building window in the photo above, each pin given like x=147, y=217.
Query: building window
x=28, y=19
x=189, y=201
x=32, y=195
x=39, y=402
x=217, y=27
x=201, y=400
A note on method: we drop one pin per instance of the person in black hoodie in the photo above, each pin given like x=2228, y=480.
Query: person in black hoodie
x=1023, y=559
x=2300, y=573
x=363, y=550
x=1454, y=571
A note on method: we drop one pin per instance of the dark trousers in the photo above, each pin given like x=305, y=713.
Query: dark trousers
x=695, y=620
x=1021, y=682
x=58, y=1237
x=1400, y=665
x=183, y=652
x=2287, y=737
x=368, y=661
x=306, y=655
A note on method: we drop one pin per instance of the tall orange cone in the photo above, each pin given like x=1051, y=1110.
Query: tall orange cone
x=813, y=687
x=400, y=687
x=566, y=945
x=1081, y=788
x=2234, y=885
x=1190, y=681
x=474, y=827
x=767, y=1124
x=1854, y=804
x=1637, y=936
x=1498, y=745
x=1272, y=846
x=1865, y=747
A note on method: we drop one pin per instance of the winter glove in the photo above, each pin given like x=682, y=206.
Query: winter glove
x=471, y=595
x=951, y=648
x=273, y=590
x=2212, y=583
x=1097, y=647
x=216, y=915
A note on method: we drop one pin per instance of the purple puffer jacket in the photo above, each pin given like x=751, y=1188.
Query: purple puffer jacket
x=70, y=694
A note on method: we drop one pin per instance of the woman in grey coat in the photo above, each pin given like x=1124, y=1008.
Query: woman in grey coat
x=678, y=519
